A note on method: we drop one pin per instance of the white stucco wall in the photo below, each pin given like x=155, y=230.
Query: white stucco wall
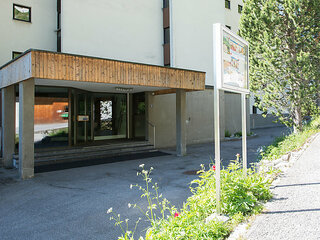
x=129, y=30
x=19, y=36
x=191, y=34
x=232, y=16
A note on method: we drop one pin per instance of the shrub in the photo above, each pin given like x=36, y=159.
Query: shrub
x=240, y=196
x=227, y=133
x=238, y=134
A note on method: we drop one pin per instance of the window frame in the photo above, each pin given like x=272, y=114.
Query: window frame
x=229, y=4
x=228, y=27
x=13, y=14
x=240, y=8
x=14, y=53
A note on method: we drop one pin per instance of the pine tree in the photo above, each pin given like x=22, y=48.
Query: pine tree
x=284, y=56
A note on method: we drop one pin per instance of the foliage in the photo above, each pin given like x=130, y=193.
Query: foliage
x=240, y=197
x=227, y=133
x=284, y=56
x=59, y=132
x=238, y=134
x=284, y=144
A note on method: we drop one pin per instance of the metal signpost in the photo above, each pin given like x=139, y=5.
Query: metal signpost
x=231, y=73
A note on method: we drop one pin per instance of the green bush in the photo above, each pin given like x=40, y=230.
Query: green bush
x=227, y=133
x=238, y=134
x=240, y=196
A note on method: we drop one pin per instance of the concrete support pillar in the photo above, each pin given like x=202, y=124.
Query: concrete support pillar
x=181, y=127
x=8, y=124
x=26, y=129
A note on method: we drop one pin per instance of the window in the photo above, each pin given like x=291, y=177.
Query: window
x=166, y=35
x=228, y=27
x=58, y=25
x=227, y=4
x=16, y=54
x=254, y=109
x=21, y=13
x=165, y=3
x=239, y=9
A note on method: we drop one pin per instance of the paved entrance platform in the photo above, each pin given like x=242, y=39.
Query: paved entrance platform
x=72, y=204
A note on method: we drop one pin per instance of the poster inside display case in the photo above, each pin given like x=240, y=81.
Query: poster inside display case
x=231, y=56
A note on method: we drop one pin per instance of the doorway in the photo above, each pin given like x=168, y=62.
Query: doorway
x=81, y=117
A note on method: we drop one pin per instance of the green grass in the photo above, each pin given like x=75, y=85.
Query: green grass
x=284, y=144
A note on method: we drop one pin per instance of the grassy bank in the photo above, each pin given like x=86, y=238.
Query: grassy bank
x=284, y=144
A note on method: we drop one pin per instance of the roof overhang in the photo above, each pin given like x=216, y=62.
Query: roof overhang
x=61, y=69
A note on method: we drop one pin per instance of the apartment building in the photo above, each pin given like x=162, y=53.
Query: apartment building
x=112, y=70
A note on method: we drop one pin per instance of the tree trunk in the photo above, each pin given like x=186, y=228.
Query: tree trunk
x=297, y=119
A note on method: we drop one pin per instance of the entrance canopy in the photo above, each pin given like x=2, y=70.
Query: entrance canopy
x=94, y=75
x=60, y=69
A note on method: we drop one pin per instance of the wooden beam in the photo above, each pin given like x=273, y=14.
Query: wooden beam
x=60, y=66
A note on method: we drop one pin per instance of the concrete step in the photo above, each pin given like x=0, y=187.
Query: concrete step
x=86, y=149
x=84, y=158
x=88, y=152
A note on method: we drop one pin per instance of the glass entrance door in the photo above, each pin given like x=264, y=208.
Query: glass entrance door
x=110, y=116
x=81, y=117
x=97, y=116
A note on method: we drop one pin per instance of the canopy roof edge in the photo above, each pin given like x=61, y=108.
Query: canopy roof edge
x=69, y=67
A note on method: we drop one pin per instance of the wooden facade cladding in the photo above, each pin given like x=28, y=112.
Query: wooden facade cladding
x=59, y=66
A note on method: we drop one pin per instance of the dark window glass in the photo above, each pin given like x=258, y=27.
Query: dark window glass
x=239, y=9
x=228, y=27
x=227, y=4
x=254, y=110
x=21, y=13
x=165, y=3
x=166, y=35
x=58, y=41
x=59, y=6
x=15, y=54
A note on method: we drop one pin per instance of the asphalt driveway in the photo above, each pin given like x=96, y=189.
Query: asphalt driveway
x=72, y=204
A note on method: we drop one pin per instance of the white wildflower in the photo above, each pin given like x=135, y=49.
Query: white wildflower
x=109, y=210
x=141, y=165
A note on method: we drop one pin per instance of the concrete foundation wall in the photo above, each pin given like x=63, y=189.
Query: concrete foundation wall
x=233, y=110
x=200, y=124
x=258, y=121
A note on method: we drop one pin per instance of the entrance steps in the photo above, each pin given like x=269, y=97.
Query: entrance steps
x=104, y=153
